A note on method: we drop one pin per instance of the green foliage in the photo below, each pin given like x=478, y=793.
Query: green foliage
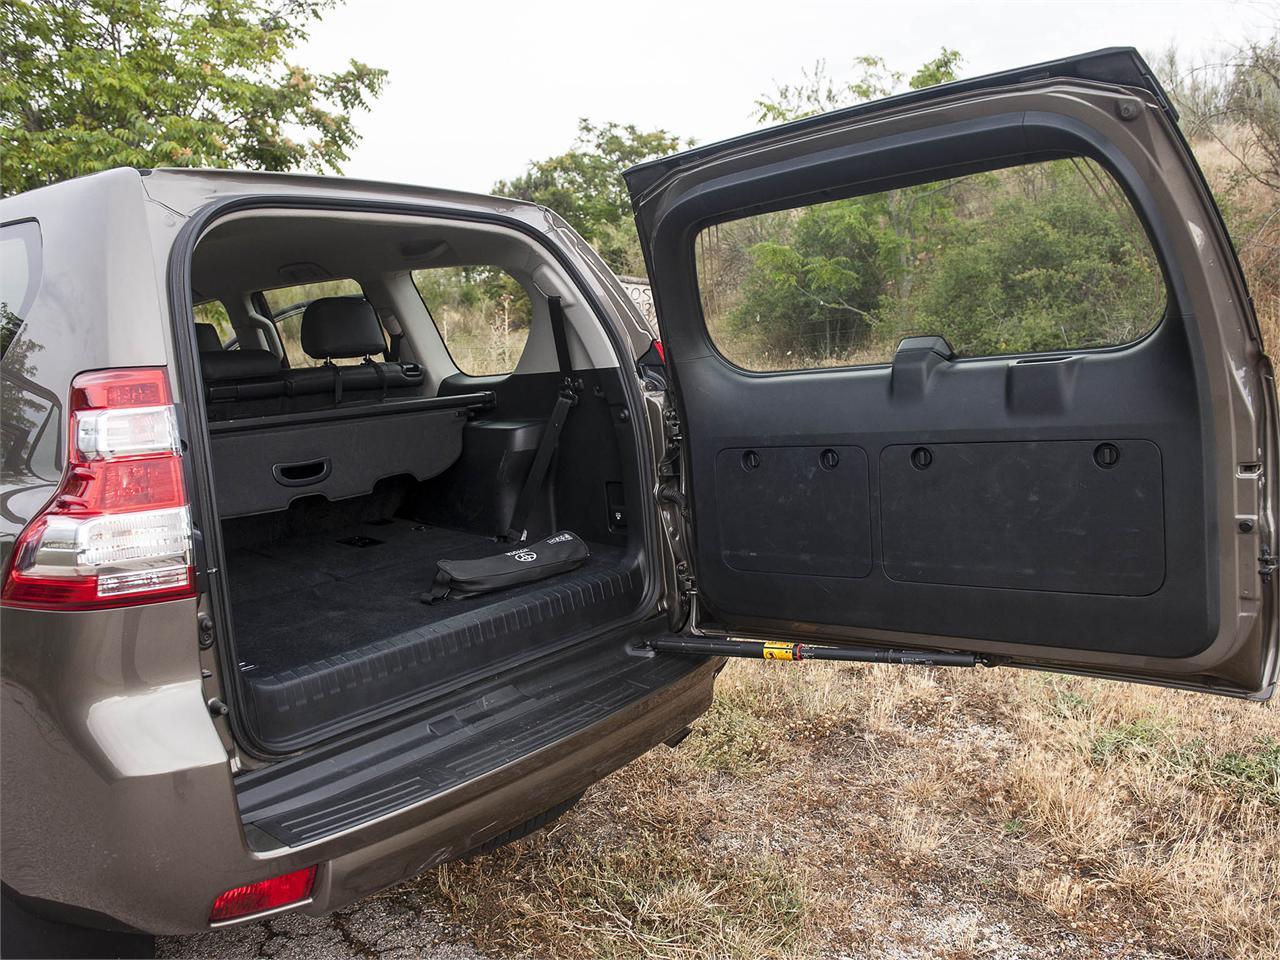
x=1037, y=258
x=1142, y=740
x=824, y=286
x=824, y=275
x=1052, y=268
x=584, y=185
x=1250, y=773
x=104, y=83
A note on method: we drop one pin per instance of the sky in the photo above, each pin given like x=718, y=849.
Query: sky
x=478, y=88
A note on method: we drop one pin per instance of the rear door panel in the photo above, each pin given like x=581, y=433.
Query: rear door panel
x=1094, y=511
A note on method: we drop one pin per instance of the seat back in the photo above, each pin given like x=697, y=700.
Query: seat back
x=346, y=328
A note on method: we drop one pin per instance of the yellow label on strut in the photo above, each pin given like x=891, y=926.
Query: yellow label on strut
x=773, y=650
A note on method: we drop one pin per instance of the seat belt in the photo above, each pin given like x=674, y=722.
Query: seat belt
x=566, y=399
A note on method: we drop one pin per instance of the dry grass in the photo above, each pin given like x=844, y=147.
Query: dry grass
x=824, y=810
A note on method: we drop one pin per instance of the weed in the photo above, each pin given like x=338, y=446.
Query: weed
x=1251, y=772
x=1140, y=740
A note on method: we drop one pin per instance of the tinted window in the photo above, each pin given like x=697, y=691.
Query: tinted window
x=1042, y=257
x=482, y=314
x=19, y=277
x=287, y=305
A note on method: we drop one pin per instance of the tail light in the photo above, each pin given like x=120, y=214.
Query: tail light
x=118, y=530
x=290, y=889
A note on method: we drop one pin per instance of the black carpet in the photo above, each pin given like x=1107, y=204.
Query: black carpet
x=305, y=599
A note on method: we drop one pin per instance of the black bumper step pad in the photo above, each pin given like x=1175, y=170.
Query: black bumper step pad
x=298, y=802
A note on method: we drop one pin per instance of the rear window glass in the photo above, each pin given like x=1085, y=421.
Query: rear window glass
x=482, y=314
x=19, y=277
x=287, y=306
x=1043, y=257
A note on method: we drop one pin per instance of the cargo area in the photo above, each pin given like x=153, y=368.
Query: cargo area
x=330, y=624
x=350, y=455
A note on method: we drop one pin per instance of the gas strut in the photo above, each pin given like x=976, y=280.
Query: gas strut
x=776, y=650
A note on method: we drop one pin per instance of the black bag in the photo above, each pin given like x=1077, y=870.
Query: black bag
x=527, y=563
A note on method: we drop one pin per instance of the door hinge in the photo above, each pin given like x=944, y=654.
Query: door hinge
x=669, y=467
x=1267, y=564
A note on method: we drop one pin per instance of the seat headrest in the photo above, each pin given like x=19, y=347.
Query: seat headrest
x=238, y=364
x=207, y=337
x=340, y=328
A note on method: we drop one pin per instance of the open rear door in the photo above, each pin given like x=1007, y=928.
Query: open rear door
x=973, y=369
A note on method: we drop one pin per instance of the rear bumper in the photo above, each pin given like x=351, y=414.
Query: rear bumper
x=448, y=826
x=118, y=796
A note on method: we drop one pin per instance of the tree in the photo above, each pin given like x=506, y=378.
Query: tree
x=1054, y=259
x=1230, y=105
x=103, y=83
x=585, y=186
x=1234, y=99
x=818, y=288
x=818, y=92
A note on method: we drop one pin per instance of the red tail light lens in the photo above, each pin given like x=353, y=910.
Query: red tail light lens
x=118, y=530
x=254, y=898
x=662, y=351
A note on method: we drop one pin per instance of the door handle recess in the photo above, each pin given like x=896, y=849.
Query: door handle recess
x=301, y=473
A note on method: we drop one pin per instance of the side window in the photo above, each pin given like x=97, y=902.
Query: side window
x=214, y=313
x=482, y=314
x=1043, y=257
x=20, y=271
x=287, y=306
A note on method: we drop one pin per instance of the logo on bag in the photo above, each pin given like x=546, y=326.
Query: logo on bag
x=525, y=556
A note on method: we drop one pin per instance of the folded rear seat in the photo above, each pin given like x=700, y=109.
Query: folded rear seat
x=332, y=437
x=346, y=328
x=242, y=374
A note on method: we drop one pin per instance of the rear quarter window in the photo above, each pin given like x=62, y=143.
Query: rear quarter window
x=482, y=313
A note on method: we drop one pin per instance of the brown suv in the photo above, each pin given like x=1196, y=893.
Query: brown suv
x=249, y=665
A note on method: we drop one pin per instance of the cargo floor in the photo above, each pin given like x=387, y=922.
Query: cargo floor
x=330, y=627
